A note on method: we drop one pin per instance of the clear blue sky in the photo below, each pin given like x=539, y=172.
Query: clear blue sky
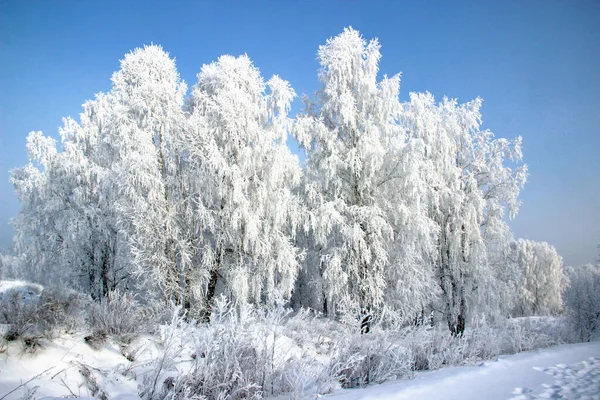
x=536, y=65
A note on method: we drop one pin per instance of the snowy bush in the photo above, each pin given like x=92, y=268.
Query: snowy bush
x=121, y=315
x=31, y=312
x=582, y=299
x=432, y=347
x=62, y=309
x=530, y=333
x=18, y=309
x=241, y=353
x=371, y=358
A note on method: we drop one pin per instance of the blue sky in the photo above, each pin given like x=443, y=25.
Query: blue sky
x=535, y=64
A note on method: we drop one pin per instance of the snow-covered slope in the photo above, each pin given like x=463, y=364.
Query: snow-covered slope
x=571, y=371
x=59, y=365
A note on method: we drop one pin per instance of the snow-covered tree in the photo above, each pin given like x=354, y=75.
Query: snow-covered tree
x=65, y=231
x=242, y=181
x=582, y=299
x=35, y=234
x=469, y=187
x=369, y=231
x=140, y=144
x=542, y=278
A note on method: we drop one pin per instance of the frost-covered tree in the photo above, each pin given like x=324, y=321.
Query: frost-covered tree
x=242, y=181
x=140, y=146
x=542, y=280
x=36, y=235
x=582, y=299
x=369, y=232
x=469, y=188
x=66, y=232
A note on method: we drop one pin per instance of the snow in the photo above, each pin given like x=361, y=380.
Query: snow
x=566, y=371
x=572, y=371
x=576, y=381
x=59, y=362
x=117, y=370
x=29, y=291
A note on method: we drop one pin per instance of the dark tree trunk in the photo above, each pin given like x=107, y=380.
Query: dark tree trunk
x=187, y=302
x=210, y=294
x=212, y=286
x=92, y=282
x=105, y=273
x=365, y=324
x=457, y=326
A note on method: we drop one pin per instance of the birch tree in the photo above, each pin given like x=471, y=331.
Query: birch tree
x=66, y=230
x=543, y=279
x=370, y=237
x=469, y=189
x=243, y=181
x=147, y=95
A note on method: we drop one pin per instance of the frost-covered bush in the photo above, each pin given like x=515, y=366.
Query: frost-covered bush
x=395, y=352
x=62, y=309
x=483, y=341
x=31, y=312
x=121, y=315
x=18, y=309
x=432, y=347
x=582, y=299
x=530, y=333
x=313, y=332
x=370, y=358
x=242, y=353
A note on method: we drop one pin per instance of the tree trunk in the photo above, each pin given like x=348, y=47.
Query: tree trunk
x=365, y=323
x=457, y=325
x=173, y=280
x=105, y=276
x=210, y=294
x=187, y=301
x=212, y=287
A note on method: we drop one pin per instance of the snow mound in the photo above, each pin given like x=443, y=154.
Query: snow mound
x=68, y=367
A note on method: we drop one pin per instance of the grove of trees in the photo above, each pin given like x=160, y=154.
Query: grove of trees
x=400, y=211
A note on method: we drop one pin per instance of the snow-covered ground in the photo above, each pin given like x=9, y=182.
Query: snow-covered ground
x=68, y=366
x=57, y=365
x=562, y=372
x=567, y=371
